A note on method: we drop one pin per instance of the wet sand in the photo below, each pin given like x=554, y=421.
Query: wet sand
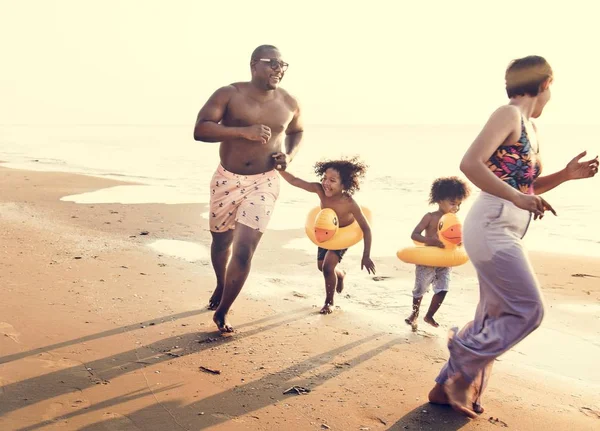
x=100, y=331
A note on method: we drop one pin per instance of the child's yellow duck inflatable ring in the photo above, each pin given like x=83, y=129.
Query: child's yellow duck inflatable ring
x=453, y=253
x=322, y=228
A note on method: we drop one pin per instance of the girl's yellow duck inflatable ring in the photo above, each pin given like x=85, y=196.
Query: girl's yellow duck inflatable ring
x=322, y=228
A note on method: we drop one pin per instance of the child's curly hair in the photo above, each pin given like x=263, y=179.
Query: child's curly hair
x=351, y=171
x=448, y=188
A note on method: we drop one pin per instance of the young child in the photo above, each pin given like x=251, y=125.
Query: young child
x=339, y=180
x=448, y=193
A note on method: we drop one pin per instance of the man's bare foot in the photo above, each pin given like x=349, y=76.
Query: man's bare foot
x=438, y=396
x=327, y=309
x=340, y=282
x=431, y=321
x=222, y=324
x=215, y=299
x=457, y=390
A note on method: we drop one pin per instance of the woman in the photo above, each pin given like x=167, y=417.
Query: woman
x=504, y=163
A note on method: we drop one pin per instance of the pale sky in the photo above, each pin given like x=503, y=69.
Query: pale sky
x=380, y=62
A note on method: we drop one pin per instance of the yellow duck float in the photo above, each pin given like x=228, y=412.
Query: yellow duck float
x=322, y=228
x=453, y=253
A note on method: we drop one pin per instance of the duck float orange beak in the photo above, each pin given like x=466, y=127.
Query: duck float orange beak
x=450, y=230
x=326, y=225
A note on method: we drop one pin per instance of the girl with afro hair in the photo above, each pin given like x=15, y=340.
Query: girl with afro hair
x=340, y=179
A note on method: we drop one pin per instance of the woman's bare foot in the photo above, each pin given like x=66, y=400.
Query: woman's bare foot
x=222, y=324
x=477, y=408
x=215, y=299
x=327, y=309
x=457, y=390
x=340, y=281
x=438, y=396
x=431, y=321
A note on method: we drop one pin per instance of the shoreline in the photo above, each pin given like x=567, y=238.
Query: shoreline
x=538, y=240
x=124, y=328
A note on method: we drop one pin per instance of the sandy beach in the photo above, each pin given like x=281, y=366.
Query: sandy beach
x=99, y=331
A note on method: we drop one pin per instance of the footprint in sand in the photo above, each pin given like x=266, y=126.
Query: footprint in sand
x=56, y=411
x=9, y=331
x=77, y=400
x=53, y=411
x=45, y=360
x=116, y=422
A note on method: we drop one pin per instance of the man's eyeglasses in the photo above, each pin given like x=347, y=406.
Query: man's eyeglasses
x=274, y=64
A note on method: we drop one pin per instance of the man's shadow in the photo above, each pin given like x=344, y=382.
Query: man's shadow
x=236, y=403
x=108, y=333
x=102, y=371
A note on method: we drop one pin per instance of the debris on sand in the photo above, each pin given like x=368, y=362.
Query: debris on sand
x=590, y=412
x=584, y=275
x=497, y=421
x=298, y=390
x=382, y=421
x=341, y=365
x=208, y=370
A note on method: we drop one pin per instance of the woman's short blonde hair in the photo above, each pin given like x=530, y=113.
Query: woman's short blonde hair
x=526, y=76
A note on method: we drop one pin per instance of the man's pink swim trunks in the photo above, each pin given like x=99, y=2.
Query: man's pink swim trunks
x=246, y=199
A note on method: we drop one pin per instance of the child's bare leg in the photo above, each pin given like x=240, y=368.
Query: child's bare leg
x=436, y=301
x=411, y=320
x=423, y=277
x=331, y=279
x=340, y=280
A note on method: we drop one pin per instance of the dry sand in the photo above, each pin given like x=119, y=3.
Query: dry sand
x=100, y=332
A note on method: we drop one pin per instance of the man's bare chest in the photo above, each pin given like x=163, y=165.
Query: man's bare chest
x=246, y=112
